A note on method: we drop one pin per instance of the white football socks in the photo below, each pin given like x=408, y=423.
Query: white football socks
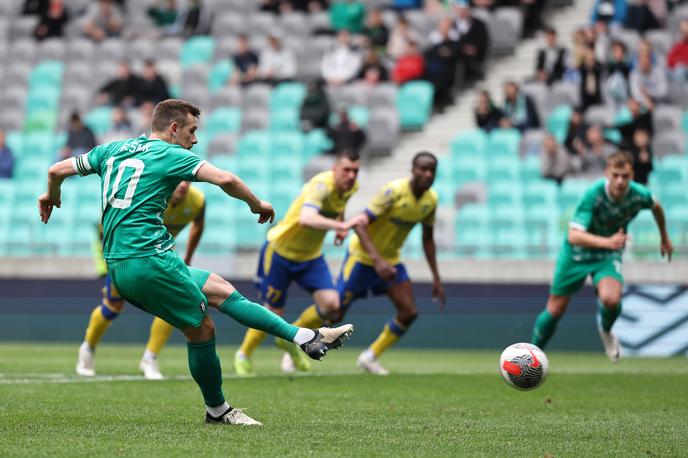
x=149, y=355
x=303, y=335
x=217, y=411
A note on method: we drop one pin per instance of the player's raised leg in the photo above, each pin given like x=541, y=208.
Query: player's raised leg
x=609, y=292
x=401, y=295
x=101, y=318
x=160, y=333
x=546, y=321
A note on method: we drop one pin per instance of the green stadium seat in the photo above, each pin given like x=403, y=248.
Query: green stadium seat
x=504, y=169
x=468, y=169
x=287, y=95
x=571, y=193
x=249, y=234
x=446, y=190
x=284, y=120
x=558, y=120
x=31, y=169
x=503, y=143
x=645, y=238
x=317, y=142
x=530, y=169
x=220, y=74
x=223, y=120
x=198, y=49
x=542, y=223
x=287, y=144
x=540, y=192
x=255, y=143
x=43, y=99
x=507, y=216
x=218, y=240
x=99, y=119
x=40, y=121
x=47, y=73
x=225, y=161
x=469, y=143
x=505, y=194
x=41, y=145
x=358, y=114
x=414, y=104
x=15, y=141
x=203, y=141
x=508, y=243
x=254, y=170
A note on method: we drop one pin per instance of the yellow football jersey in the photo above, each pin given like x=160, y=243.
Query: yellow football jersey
x=178, y=216
x=297, y=243
x=394, y=211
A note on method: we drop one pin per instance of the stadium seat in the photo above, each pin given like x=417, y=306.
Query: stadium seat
x=667, y=143
x=40, y=121
x=254, y=144
x=558, y=121
x=226, y=96
x=530, y=169
x=287, y=144
x=540, y=193
x=503, y=169
x=503, y=143
x=468, y=169
x=220, y=74
x=196, y=50
x=284, y=120
x=469, y=143
x=47, y=73
x=99, y=119
x=221, y=144
x=666, y=118
x=287, y=96
x=223, y=120
x=317, y=142
x=414, y=103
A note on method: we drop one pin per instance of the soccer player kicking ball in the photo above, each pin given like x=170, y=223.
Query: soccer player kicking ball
x=293, y=252
x=593, y=247
x=372, y=259
x=187, y=205
x=137, y=178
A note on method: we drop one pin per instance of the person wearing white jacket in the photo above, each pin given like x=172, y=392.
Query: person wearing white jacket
x=341, y=64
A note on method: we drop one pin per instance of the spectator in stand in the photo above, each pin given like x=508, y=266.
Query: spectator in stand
x=554, y=161
x=487, y=115
x=122, y=90
x=375, y=30
x=400, y=36
x=518, y=109
x=245, y=61
x=315, y=109
x=648, y=81
x=345, y=134
x=640, y=17
x=120, y=128
x=590, y=81
x=51, y=22
x=6, y=158
x=372, y=71
x=576, y=132
x=551, y=60
x=164, y=15
x=35, y=7
x=618, y=71
x=603, y=41
x=308, y=6
x=151, y=87
x=347, y=15
x=591, y=159
x=407, y=4
x=103, y=19
x=342, y=63
x=270, y=6
x=410, y=66
x=80, y=138
x=641, y=119
x=195, y=20
x=641, y=150
x=474, y=41
x=276, y=64
x=677, y=59
x=440, y=62
x=610, y=11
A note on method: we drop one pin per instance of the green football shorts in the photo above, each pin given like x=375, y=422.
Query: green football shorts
x=164, y=286
x=570, y=275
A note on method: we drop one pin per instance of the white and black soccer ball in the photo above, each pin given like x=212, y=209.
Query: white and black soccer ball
x=523, y=366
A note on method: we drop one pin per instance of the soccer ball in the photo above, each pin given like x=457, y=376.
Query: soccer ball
x=523, y=366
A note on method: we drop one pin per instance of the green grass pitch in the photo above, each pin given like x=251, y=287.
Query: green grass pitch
x=436, y=403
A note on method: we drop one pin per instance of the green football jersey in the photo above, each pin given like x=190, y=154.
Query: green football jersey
x=138, y=176
x=599, y=214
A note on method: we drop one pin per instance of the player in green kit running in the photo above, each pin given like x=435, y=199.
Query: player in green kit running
x=138, y=176
x=595, y=243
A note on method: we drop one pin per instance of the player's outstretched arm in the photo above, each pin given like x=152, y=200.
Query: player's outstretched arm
x=195, y=233
x=585, y=239
x=56, y=175
x=430, y=251
x=666, y=247
x=383, y=268
x=311, y=217
x=233, y=186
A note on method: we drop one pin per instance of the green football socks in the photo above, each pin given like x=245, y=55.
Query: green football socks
x=608, y=315
x=544, y=328
x=205, y=368
x=256, y=316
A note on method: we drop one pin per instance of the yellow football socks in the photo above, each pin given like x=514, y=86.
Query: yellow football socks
x=252, y=340
x=388, y=337
x=160, y=332
x=100, y=321
x=310, y=318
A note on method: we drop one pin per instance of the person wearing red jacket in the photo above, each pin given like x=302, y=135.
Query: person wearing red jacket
x=677, y=59
x=410, y=66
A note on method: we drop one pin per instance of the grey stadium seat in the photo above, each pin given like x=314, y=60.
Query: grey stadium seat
x=227, y=96
x=503, y=36
x=382, y=95
x=80, y=49
x=678, y=94
x=263, y=24
x=169, y=48
x=225, y=47
x=256, y=96
x=661, y=40
x=170, y=69
x=562, y=93
x=667, y=143
x=222, y=144
x=229, y=24
x=75, y=98
x=4, y=28
x=422, y=22
x=382, y=132
x=51, y=49
x=242, y=7
x=294, y=25
x=141, y=49
x=255, y=118
x=17, y=74
x=113, y=49
x=23, y=50
x=630, y=38
x=599, y=114
x=79, y=74
x=13, y=98
x=197, y=75
x=667, y=118
x=23, y=27
x=512, y=16
x=199, y=96
x=539, y=93
x=11, y=120
x=319, y=20
x=531, y=141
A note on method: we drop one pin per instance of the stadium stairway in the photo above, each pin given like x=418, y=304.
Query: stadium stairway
x=442, y=128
